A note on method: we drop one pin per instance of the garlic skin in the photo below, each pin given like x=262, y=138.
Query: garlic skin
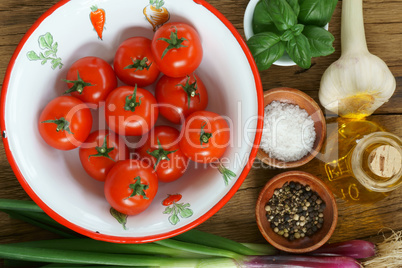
x=356, y=85
x=359, y=82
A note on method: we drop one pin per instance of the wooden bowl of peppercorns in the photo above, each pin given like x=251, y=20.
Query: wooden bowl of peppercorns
x=296, y=212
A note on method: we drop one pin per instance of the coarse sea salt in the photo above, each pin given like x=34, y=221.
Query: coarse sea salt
x=288, y=133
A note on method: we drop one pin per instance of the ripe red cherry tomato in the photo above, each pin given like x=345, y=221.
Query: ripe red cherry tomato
x=101, y=150
x=179, y=97
x=131, y=111
x=65, y=123
x=91, y=79
x=130, y=186
x=177, y=49
x=162, y=149
x=134, y=62
x=205, y=137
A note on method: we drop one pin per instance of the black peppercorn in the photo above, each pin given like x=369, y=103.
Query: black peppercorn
x=294, y=211
x=291, y=237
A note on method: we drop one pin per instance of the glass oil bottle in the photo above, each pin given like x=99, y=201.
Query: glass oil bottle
x=362, y=162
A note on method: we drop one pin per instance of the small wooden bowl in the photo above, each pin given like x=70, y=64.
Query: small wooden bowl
x=305, y=244
x=294, y=96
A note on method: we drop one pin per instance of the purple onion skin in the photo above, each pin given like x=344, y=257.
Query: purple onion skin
x=299, y=261
x=357, y=249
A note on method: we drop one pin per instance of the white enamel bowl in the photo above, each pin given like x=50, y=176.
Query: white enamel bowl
x=56, y=181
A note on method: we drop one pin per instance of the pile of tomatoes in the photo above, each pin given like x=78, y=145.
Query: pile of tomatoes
x=169, y=62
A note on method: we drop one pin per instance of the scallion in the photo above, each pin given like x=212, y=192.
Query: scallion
x=23, y=253
x=207, y=239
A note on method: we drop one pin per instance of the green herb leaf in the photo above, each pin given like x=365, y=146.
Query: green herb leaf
x=295, y=6
x=316, y=12
x=320, y=41
x=281, y=13
x=186, y=213
x=46, y=41
x=297, y=29
x=168, y=210
x=299, y=51
x=174, y=219
x=266, y=49
x=262, y=21
x=55, y=47
x=32, y=55
x=287, y=35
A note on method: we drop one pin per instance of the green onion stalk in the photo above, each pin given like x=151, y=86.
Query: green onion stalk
x=193, y=248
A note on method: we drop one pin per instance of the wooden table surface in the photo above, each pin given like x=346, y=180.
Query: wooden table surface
x=236, y=220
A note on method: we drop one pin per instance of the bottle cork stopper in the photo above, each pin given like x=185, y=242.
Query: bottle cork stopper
x=385, y=161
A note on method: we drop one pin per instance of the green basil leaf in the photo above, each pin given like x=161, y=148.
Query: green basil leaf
x=262, y=21
x=316, y=12
x=292, y=32
x=297, y=29
x=320, y=40
x=266, y=49
x=298, y=49
x=281, y=13
x=295, y=6
x=287, y=35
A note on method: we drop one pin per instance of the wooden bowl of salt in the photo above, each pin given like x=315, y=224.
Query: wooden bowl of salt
x=294, y=128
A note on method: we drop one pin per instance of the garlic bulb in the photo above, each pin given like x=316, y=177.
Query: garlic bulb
x=359, y=82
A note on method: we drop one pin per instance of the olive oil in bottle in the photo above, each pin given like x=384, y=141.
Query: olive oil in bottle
x=362, y=162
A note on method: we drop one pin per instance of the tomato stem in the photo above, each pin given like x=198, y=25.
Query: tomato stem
x=174, y=41
x=139, y=65
x=62, y=124
x=120, y=217
x=78, y=86
x=103, y=151
x=204, y=136
x=138, y=188
x=160, y=154
x=227, y=174
x=190, y=89
x=132, y=103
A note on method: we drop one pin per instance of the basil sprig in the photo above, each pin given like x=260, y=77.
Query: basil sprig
x=291, y=26
x=266, y=49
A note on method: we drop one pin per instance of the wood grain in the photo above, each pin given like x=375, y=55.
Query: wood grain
x=236, y=220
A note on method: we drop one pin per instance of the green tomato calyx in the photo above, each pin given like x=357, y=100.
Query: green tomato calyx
x=138, y=188
x=62, y=124
x=132, y=103
x=173, y=42
x=103, y=151
x=190, y=89
x=139, y=65
x=78, y=85
x=204, y=136
x=160, y=154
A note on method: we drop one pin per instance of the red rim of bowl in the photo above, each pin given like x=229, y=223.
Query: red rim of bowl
x=151, y=238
